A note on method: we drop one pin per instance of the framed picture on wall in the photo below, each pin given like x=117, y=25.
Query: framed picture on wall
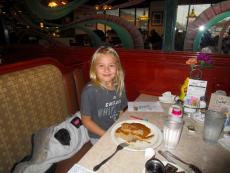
x=157, y=18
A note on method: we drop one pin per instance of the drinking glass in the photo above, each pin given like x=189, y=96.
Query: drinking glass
x=172, y=133
x=213, y=125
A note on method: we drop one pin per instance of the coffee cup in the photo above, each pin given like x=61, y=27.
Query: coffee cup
x=154, y=165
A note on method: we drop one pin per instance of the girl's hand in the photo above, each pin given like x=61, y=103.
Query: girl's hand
x=120, y=114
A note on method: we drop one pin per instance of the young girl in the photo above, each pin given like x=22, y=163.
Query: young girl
x=103, y=98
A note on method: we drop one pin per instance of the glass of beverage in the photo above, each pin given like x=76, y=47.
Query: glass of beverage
x=213, y=125
x=172, y=133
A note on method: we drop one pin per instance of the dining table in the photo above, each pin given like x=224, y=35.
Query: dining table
x=209, y=158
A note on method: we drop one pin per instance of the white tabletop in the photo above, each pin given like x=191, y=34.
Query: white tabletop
x=209, y=158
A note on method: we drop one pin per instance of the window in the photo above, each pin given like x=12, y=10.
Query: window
x=128, y=15
x=157, y=18
x=142, y=18
x=113, y=12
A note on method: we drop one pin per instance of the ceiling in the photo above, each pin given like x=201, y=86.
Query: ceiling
x=116, y=2
x=17, y=17
x=146, y=2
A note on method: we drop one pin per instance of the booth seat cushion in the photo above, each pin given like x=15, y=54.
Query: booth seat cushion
x=31, y=99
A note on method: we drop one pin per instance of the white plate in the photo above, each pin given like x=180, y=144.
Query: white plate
x=153, y=142
x=165, y=163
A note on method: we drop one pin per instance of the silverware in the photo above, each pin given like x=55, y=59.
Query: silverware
x=119, y=147
x=193, y=168
x=165, y=156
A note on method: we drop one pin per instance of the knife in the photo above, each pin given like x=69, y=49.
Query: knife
x=169, y=156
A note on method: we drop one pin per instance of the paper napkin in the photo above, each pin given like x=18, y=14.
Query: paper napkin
x=145, y=107
x=79, y=169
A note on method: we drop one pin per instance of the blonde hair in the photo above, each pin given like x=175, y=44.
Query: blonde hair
x=119, y=79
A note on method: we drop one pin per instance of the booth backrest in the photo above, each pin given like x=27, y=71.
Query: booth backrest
x=146, y=71
x=32, y=97
x=155, y=72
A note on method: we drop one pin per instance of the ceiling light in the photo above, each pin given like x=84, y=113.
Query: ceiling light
x=41, y=25
x=56, y=3
x=201, y=28
x=143, y=17
x=103, y=7
x=52, y=4
x=192, y=14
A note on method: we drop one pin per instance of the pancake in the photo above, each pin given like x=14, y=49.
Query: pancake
x=133, y=131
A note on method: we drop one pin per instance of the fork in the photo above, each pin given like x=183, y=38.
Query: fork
x=119, y=147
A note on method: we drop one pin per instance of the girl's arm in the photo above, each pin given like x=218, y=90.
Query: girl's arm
x=92, y=126
x=122, y=111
